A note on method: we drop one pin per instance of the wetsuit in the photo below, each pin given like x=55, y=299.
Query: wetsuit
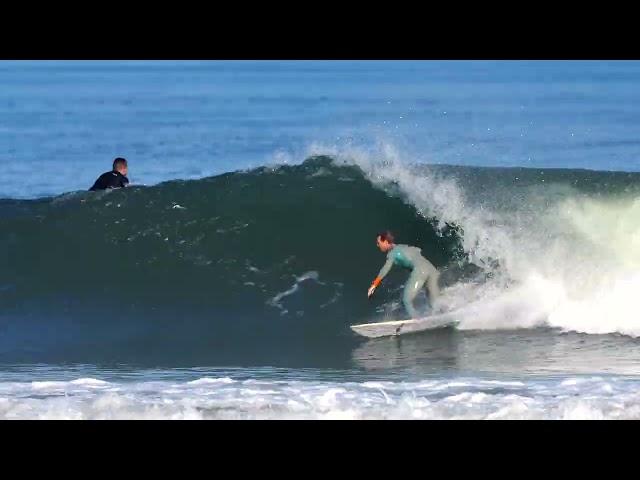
x=422, y=271
x=113, y=179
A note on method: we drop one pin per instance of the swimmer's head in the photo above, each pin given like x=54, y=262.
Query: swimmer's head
x=120, y=165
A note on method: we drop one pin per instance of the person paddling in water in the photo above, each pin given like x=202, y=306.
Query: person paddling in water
x=422, y=271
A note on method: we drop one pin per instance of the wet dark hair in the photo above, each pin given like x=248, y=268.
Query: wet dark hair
x=386, y=236
x=119, y=161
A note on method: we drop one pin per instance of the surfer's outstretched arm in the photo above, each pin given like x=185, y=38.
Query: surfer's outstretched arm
x=383, y=272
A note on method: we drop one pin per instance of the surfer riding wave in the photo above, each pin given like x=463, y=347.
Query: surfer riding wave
x=423, y=273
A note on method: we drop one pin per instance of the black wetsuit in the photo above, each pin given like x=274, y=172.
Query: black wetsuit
x=111, y=179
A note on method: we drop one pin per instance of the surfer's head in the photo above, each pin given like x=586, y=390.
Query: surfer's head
x=120, y=165
x=385, y=240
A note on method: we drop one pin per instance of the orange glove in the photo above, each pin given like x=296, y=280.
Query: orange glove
x=374, y=285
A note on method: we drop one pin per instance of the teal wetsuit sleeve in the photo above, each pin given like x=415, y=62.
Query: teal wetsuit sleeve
x=386, y=267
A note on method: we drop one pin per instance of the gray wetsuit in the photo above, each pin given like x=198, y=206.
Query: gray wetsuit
x=422, y=273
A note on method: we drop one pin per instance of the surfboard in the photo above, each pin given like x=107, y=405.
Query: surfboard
x=401, y=327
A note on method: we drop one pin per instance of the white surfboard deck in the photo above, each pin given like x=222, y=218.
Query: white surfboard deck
x=400, y=327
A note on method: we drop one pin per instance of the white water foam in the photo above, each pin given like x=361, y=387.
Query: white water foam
x=556, y=256
x=226, y=398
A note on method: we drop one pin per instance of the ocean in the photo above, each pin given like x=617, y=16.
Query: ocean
x=222, y=283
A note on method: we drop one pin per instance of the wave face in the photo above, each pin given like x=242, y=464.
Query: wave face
x=278, y=255
x=272, y=264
